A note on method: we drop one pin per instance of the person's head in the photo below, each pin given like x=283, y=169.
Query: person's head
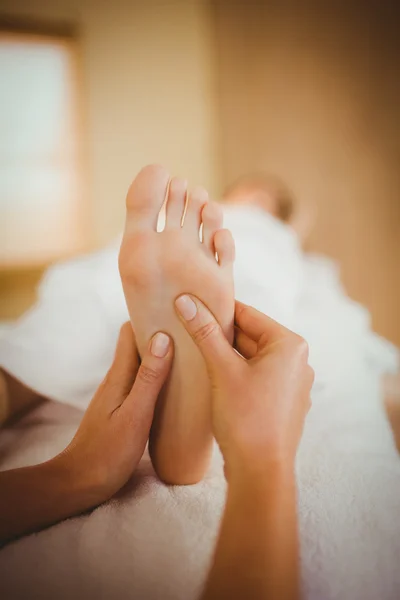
x=266, y=191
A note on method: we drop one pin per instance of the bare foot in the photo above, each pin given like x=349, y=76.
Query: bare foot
x=155, y=268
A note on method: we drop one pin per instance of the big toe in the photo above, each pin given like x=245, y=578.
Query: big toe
x=145, y=198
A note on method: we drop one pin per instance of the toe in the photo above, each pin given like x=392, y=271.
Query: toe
x=145, y=198
x=176, y=202
x=212, y=218
x=196, y=201
x=224, y=247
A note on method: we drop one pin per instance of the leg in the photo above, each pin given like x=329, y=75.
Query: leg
x=156, y=268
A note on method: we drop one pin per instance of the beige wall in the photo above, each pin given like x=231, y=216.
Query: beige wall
x=311, y=92
x=146, y=74
x=148, y=97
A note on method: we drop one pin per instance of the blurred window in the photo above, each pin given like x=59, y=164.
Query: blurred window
x=41, y=213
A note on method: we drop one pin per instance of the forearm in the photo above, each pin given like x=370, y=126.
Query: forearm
x=33, y=498
x=257, y=554
x=4, y=398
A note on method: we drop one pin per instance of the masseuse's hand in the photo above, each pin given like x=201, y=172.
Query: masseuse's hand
x=261, y=398
x=115, y=428
x=259, y=403
x=104, y=452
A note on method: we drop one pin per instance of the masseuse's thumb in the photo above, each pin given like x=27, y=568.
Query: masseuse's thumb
x=206, y=334
x=151, y=376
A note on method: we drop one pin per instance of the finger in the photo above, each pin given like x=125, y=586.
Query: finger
x=206, y=333
x=121, y=376
x=255, y=325
x=245, y=345
x=151, y=376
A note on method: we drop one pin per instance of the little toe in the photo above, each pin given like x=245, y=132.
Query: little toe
x=195, y=203
x=224, y=247
x=145, y=198
x=176, y=202
x=212, y=218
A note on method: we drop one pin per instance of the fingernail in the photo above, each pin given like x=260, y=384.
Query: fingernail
x=160, y=345
x=186, y=307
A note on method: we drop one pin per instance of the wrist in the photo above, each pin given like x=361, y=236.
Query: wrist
x=84, y=491
x=258, y=477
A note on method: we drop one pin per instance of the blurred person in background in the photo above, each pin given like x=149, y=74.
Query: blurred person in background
x=273, y=195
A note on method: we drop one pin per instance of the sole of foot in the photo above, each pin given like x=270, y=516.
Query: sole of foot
x=156, y=267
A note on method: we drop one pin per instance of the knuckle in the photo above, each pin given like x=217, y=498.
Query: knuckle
x=207, y=330
x=148, y=375
x=245, y=313
x=301, y=347
x=245, y=310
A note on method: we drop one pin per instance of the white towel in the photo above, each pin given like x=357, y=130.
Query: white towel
x=155, y=542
